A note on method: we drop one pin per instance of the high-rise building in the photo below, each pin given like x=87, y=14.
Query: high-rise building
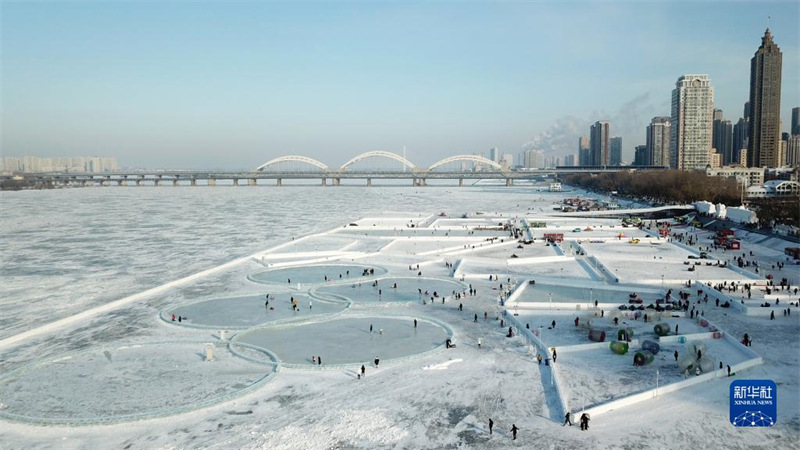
x=658, y=141
x=599, y=143
x=584, y=153
x=494, y=154
x=740, y=131
x=615, y=152
x=722, y=137
x=570, y=160
x=763, y=144
x=783, y=148
x=507, y=161
x=90, y=164
x=793, y=150
x=641, y=156
x=795, y=120
x=531, y=159
x=715, y=160
x=692, y=114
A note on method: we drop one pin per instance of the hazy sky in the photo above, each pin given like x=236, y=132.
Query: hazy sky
x=212, y=85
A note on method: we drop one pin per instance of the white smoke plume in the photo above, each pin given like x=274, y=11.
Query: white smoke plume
x=629, y=121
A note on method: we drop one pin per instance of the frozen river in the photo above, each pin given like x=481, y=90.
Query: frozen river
x=86, y=255
x=62, y=251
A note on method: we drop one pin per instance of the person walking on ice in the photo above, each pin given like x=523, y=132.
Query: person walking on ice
x=377, y=360
x=584, y=422
x=566, y=420
x=514, y=430
x=363, y=371
x=491, y=425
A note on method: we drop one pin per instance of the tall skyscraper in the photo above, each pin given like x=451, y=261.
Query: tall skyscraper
x=494, y=154
x=692, y=114
x=793, y=150
x=658, y=141
x=763, y=144
x=795, y=120
x=599, y=143
x=722, y=137
x=641, y=156
x=570, y=160
x=584, y=154
x=740, y=131
x=615, y=152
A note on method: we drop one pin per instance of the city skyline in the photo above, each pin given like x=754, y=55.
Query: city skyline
x=231, y=86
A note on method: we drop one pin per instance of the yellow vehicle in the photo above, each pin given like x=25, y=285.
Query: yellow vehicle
x=633, y=241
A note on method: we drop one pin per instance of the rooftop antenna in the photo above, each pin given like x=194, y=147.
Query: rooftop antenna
x=768, y=20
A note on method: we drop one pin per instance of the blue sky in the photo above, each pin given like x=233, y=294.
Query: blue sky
x=213, y=85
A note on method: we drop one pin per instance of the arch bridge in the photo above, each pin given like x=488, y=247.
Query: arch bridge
x=311, y=168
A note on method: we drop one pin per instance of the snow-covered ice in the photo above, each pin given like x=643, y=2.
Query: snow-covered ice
x=77, y=250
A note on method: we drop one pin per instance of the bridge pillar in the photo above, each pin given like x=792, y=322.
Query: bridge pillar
x=324, y=182
x=280, y=182
x=369, y=182
x=175, y=183
x=212, y=181
x=105, y=183
x=251, y=182
x=460, y=182
x=509, y=181
x=235, y=181
x=194, y=182
x=336, y=181
x=138, y=182
x=157, y=182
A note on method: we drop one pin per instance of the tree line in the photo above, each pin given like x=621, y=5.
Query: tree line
x=669, y=186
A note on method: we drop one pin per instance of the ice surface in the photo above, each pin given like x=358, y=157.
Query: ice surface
x=409, y=289
x=348, y=340
x=250, y=310
x=65, y=251
x=114, y=384
x=316, y=274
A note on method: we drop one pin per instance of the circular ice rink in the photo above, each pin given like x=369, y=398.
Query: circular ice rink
x=394, y=289
x=348, y=340
x=127, y=383
x=316, y=274
x=250, y=310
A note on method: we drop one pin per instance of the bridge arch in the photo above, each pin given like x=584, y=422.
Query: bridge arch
x=473, y=158
x=292, y=158
x=379, y=153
